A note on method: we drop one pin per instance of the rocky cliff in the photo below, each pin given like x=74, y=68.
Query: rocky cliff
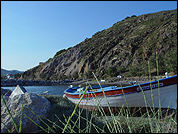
x=125, y=48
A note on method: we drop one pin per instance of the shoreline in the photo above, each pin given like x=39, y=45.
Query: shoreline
x=109, y=82
x=15, y=82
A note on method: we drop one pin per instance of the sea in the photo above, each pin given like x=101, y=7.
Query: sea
x=52, y=90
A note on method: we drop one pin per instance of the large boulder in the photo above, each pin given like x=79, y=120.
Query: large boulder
x=18, y=90
x=6, y=92
x=38, y=104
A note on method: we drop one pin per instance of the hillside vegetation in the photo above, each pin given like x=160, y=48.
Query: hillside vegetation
x=123, y=49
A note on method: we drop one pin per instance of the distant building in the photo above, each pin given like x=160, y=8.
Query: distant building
x=102, y=80
x=9, y=76
x=119, y=76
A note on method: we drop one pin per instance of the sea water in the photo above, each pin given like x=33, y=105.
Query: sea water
x=52, y=90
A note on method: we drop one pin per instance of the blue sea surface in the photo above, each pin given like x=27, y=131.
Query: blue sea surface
x=52, y=90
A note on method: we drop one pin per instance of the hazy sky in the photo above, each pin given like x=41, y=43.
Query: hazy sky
x=33, y=31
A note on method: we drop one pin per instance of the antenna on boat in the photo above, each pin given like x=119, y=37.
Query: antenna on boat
x=166, y=73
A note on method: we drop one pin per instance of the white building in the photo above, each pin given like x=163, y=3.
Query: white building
x=9, y=76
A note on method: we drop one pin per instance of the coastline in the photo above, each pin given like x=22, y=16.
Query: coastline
x=109, y=82
x=15, y=82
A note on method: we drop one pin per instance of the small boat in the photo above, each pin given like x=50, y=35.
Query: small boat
x=159, y=93
x=44, y=93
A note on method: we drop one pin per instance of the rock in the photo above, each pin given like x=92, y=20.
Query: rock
x=38, y=104
x=18, y=90
x=6, y=92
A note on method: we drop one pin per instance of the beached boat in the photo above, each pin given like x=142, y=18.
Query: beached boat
x=159, y=93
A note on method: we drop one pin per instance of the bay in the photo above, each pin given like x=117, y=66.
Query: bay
x=52, y=90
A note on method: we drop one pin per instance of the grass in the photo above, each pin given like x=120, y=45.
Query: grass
x=66, y=117
x=84, y=121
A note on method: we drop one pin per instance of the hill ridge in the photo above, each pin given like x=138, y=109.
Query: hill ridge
x=125, y=48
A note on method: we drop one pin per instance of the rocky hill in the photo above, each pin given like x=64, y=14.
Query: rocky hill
x=126, y=48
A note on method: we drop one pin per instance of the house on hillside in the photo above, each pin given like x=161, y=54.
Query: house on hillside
x=9, y=76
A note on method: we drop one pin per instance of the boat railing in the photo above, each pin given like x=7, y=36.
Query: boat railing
x=144, y=79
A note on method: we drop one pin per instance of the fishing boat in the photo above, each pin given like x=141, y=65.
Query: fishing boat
x=158, y=93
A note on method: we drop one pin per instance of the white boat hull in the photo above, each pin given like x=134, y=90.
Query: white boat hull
x=166, y=97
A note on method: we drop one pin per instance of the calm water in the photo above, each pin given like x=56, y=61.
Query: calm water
x=52, y=90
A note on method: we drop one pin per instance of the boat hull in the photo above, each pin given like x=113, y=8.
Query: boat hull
x=164, y=97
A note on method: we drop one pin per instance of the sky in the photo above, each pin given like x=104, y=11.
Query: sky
x=33, y=31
